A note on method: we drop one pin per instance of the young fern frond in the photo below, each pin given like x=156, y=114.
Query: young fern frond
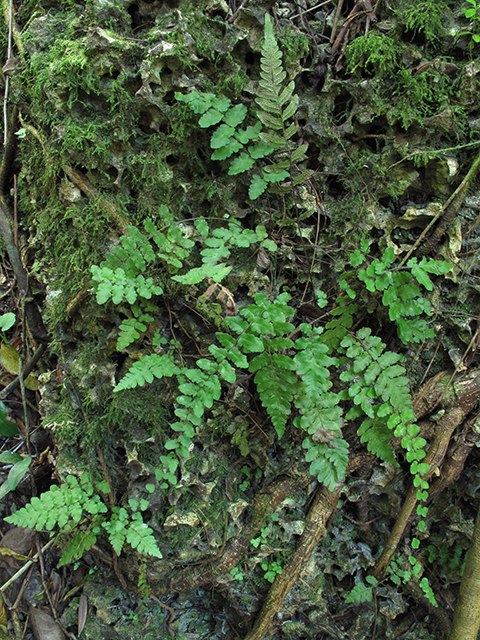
x=271, y=98
x=320, y=415
x=278, y=104
x=276, y=384
x=145, y=370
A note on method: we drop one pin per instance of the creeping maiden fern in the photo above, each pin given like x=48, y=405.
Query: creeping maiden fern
x=278, y=105
x=379, y=390
x=76, y=505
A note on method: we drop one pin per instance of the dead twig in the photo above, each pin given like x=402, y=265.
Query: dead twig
x=170, y=611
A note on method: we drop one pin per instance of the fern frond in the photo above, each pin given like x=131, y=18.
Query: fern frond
x=59, y=505
x=376, y=376
x=118, y=285
x=377, y=436
x=328, y=461
x=317, y=404
x=133, y=254
x=141, y=538
x=173, y=246
x=276, y=384
x=130, y=330
x=277, y=104
x=82, y=541
x=148, y=368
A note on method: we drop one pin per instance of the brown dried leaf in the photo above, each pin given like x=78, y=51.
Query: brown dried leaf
x=44, y=626
x=82, y=613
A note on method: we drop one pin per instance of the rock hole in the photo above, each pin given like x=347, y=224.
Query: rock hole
x=414, y=37
x=169, y=98
x=335, y=187
x=155, y=88
x=313, y=154
x=145, y=123
x=171, y=160
x=218, y=13
x=341, y=109
x=113, y=173
x=134, y=85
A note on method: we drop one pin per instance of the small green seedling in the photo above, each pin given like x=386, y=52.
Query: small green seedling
x=6, y=322
x=16, y=473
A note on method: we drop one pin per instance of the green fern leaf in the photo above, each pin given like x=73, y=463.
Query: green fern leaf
x=250, y=133
x=257, y=187
x=241, y=164
x=273, y=140
x=328, y=461
x=318, y=406
x=148, y=368
x=290, y=111
x=377, y=437
x=236, y=115
x=141, y=538
x=222, y=153
x=286, y=94
x=260, y=150
x=129, y=332
x=270, y=121
x=303, y=177
x=215, y=272
x=211, y=117
x=82, y=541
x=299, y=154
x=359, y=593
x=276, y=384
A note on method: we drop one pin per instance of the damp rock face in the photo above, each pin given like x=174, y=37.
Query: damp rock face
x=387, y=104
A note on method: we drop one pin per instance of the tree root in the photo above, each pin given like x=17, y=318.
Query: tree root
x=450, y=210
x=206, y=573
x=107, y=206
x=457, y=400
x=323, y=507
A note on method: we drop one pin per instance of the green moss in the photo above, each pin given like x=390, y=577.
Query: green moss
x=396, y=92
x=428, y=17
x=376, y=54
x=293, y=43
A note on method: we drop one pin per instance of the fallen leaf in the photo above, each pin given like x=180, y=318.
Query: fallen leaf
x=82, y=613
x=10, y=359
x=44, y=626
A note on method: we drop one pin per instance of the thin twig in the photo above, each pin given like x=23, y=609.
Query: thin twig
x=26, y=372
x=335, y=21
x=25, y=567
x=7, y=79
x=304, y=11
x=171, y=612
